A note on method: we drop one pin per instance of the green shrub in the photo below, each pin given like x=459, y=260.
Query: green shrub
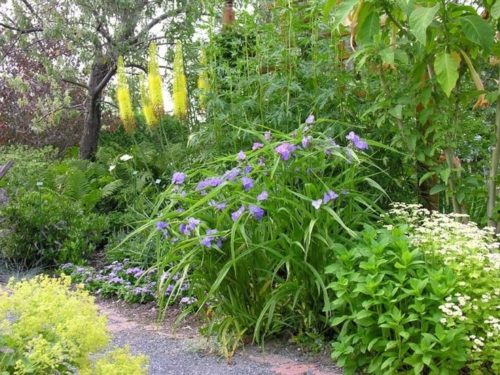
x=47, y=328
x=253, y=232
x=120, y=362
x=472, y=254
x=29, y=165
x=42, y=227
x=386, y=306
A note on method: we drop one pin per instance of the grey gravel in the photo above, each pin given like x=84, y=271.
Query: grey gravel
x=177, y=356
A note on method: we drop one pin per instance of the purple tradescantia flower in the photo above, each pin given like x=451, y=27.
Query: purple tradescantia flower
x=268, y=136
x=161, y=225
x=169, y=290
x=306, y=141
x=193, y=223
x=330, y=196
x=178, y=178
x=247, y=183
x=209, y=182
x=257, y=145
x=206, y=241
x=248, y=169
x=219, y=206
x=285, y=150
x=232, y=174
x=256, y=211
x=184, y=229
x=317, y=203
x=116, y=280
x=261, y=162
x=262, y=196
x=356, y=141
x=241, y=156
x=236, y=214
x=310, y=119
x=188, y=300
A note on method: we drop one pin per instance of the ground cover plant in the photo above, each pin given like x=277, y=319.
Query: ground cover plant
x=62, y=338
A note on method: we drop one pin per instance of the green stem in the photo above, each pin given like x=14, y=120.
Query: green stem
x=492, y=178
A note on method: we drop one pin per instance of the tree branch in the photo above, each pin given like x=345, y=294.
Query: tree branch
x=105, y=80
x=21, y=31
x=82, y=85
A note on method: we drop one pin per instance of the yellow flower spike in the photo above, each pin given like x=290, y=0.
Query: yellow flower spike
x=124, y=100
x=179, y=94
x=147, y=108
x=155, y=83
x=203, y=82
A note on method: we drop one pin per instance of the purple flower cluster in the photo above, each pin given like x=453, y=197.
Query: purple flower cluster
x=191, y=225
x=247, y=183
x=285, y=150
x=210, y=237
x=359, y=143
x=232, y=174
x=329, y=196
x=178, y=178
x=255, y=211
x=209, y=182
x=219, y=206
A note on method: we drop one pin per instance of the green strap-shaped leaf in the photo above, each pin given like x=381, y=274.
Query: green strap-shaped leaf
x=477, y=31
x=419, y=21
x=446, y=67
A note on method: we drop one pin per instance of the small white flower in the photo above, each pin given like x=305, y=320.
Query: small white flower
x=39, y=183
x=111, y=167
x=157, y=181
x=134, y=173
x=126, y=157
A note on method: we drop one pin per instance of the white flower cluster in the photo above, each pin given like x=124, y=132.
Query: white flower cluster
x=477, y=343
x=450, y=237
x=495, y=325
x=452, y=310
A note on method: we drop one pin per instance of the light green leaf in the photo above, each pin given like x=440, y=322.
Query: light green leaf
x=419, y=21
x=495, y=10
x=477, y=31
x=446, y=67
x=368, y=24
x=387, y=56
x=342, y=10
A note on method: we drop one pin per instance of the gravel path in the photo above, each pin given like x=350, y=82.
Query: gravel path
x=184, y=352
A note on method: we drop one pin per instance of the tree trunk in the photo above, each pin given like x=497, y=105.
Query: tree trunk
x=492, y=180
x=101, y=73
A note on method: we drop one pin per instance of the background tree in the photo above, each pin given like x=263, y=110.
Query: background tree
x=94, y=33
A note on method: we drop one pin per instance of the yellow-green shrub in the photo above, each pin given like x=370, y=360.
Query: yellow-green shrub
x=120, y=362
x=47, y=327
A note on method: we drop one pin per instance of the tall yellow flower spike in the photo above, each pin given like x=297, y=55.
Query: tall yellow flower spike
x=203, y=82
x=123, y=98
x=147, y=108
x=154, y=81
x=180, y=94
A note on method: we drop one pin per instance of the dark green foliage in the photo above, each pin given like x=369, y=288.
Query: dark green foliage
x=46, y=228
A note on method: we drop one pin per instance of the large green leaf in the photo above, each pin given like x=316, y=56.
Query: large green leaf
x=495, y=10
x=341, y=11
x=419, y=21
x=477, y=31
x=368, y=24
x=446, y=67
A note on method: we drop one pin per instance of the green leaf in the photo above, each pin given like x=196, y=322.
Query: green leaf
x=477, y=31
x=437, y=189
x=446, y=66
x=342, y=10
x=495, y=10
x=419, y=21
x=368, y=24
